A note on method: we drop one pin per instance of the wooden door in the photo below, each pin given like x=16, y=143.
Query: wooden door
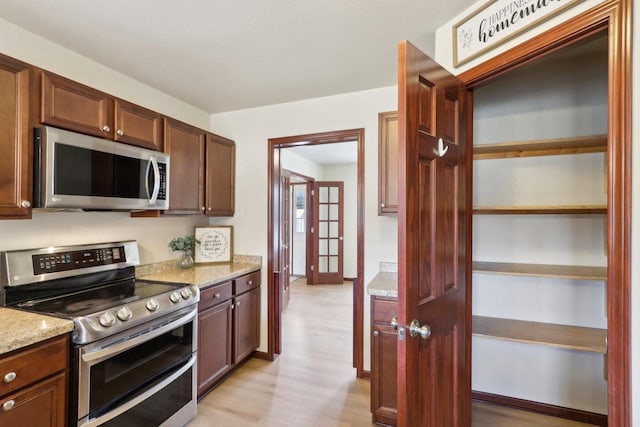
x=328, y=215
x=434, y=364
x=138, y=126
x=285, y=241
x=185, y=144
x=15, y=140
x=70, y=105
x=220, y=176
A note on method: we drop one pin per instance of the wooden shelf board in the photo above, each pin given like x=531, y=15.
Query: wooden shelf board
x=541, y=270
x=563, y=336
x=541, y=147
x=526, y=210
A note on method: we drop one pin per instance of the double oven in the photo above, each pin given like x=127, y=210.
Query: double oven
x=134, y=341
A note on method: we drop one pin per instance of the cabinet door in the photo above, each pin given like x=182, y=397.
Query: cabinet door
x=214, y=344
x=383, y=380
x=221, y=173
x=40, y=405
x=388, y=163
x=136, y=125
x=185, y=144
x=70, y=105
x=15, y=140
x=246, y=324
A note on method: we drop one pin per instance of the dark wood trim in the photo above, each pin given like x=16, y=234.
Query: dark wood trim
x=542, y=408
x=615, y=18
x=263, y=355
x=366, y=375
x=273, y=290
x=287, y=172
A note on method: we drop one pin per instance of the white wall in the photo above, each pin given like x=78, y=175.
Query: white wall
x=252, y=128
x=295, y=163
x=153, y=234
x=444, y=56
x=347, y=173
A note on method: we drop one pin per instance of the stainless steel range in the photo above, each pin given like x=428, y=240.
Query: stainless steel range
x=134, y=341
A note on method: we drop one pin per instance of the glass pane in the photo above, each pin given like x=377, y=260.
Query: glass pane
x=333, y=264
x=333, y=229
x=323, y=229
x=322, y=264
x=333, y=212
x=333, y=247
x=324, y=195
x=300, y=225
x=333, y=194
x=323, y=212
x=322, y=246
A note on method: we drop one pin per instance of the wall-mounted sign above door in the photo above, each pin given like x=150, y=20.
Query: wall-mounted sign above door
x=498, y=21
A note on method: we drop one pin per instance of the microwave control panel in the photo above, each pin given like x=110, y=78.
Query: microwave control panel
x=76, y=260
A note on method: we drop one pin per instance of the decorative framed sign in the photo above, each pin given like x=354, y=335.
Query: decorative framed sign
x=216, y=244
x=499, y=21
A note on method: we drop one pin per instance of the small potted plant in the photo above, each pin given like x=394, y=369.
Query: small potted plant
x=185, y=244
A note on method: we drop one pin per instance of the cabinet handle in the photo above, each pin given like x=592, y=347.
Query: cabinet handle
x=10, y=377
x=120, y=132
x=25, y=204
x=217, y=296
x=376, y=333
x=8, y=405
x=106, y=128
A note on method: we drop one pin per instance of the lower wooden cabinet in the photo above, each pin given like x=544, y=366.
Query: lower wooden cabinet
x=228, y=328
x=383, y=361
x=34, y=387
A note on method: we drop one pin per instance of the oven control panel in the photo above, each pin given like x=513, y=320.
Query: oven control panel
x=75, y=260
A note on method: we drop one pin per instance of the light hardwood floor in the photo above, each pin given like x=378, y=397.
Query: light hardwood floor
x=312, y=384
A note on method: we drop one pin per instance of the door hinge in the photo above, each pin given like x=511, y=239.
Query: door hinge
x=311, y=267
x=313, y=192
x=312, y=229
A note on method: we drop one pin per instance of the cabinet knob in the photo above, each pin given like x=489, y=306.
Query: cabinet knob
x=232, y=306
x=202, y=208
x=120, y=132
x=250, y=282
x=8, y=405
x=382, y=205
x=25, y=204
x=106, y=128
x=238, y=304
x=217, y=296
x=209, y=208
x=376, y=333
x=10, y=377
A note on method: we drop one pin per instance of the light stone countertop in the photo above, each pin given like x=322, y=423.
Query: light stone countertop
x=21, y=329
x=384, y=284
x=203, y=275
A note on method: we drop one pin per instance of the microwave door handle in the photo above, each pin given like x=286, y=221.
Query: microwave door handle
x=156, y=180
x=146, y=180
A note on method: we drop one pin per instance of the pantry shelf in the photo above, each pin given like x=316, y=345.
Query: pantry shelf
x=541, y=270
x=541, y=147
x=544, y=210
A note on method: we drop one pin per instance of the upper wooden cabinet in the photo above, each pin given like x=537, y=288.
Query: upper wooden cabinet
x=185, y=144
x=388, y=163
x=15, y=139
x=220, y=176
x=71, y=105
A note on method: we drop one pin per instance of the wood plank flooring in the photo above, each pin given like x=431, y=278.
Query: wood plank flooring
x=312, y=384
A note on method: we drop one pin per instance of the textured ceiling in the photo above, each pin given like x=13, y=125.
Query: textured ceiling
x=227, y=55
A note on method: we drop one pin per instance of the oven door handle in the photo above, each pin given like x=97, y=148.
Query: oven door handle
x=111, y=350
x=142, y=397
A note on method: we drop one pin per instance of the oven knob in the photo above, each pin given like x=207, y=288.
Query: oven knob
x=124, y=314
x=186, y=293
x=174, y=297
x=107, y=319
x=152, y=305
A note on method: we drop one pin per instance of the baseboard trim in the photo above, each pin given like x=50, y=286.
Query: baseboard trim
x=542, y=408
x=262, y=355
x=365, y=375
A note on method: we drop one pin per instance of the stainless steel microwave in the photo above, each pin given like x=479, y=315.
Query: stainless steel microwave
x=73, y=170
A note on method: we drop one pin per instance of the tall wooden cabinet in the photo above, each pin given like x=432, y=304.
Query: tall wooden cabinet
x=15, y=140
x=388, y=163
x=220, y=173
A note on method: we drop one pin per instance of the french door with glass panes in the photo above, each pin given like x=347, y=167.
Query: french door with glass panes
x=327, y=232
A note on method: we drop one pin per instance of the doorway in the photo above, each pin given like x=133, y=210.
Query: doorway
x=276, y=267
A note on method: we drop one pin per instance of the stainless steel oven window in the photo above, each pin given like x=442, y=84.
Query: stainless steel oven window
x=134, y=365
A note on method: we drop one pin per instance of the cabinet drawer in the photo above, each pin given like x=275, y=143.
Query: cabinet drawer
x=246, y=283
x=33, y=364
x=383, y=310
x=214, y=295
